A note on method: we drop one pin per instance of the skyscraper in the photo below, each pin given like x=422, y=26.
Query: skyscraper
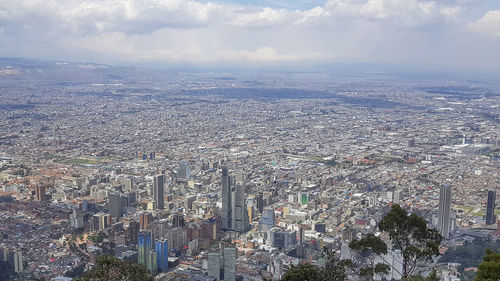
x=145, y=220
x=40, y=193
x=239, y=220
x=490, y=207
x=230, y=255
x=444, y=211
x=214, y=265
x=178, y=220
x=184, y=170
x=268, y=219
x=114, y=205
x=162, y=255
x=143, y=246
x=18, y=261
x=158, y=192
x=226, y=200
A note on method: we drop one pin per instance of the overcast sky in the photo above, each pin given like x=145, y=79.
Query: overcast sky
x=462, y=35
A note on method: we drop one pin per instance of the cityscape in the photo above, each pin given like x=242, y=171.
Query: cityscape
x=261, y=140
x=236, y=176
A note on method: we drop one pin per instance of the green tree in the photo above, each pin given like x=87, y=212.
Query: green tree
x=302, y=272
x=409, y=233
x=111, y=268
x=431, y=277
x=489, y=268
x=334, y=270
x=366, y=250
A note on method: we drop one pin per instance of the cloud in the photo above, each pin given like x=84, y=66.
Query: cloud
x=213, y=33
x=488, y=25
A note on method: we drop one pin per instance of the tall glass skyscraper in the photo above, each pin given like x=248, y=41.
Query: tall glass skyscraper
x=143, y=246
x=230, y=255
x=268, y=219
x=239, y=221
x=158, y=192
x=444, y=211
x=226, y=200
x=162, y=255
x=490, y=207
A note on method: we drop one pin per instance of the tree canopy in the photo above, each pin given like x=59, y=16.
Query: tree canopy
x=366, y=250
x=489, y=268
x=334, y=270
x=113, y=269
x=409, y=233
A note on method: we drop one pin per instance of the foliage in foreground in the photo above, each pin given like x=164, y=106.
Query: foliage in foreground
x=409, y=233
x=366, y=250
x=471, y=253
x=489, y=268
x=113, y=269
x=333, y=270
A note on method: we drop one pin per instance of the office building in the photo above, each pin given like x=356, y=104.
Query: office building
x=151, y=259
x=222, y=263
x=214, y=265
x=158, y=192
x=145, y=220
x=280, y=238
x=144, y=243
x=115, y=205
x=239, y=212
x=178, y=220
x=268, y=220
x=444, y=211
x=184, y=170
x=230, y=255
x=162, y=255
x=18, y=261
x=40, y=193
x=226, y=200
x=490, y=207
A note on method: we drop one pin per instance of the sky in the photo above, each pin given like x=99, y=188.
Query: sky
x=440, y=35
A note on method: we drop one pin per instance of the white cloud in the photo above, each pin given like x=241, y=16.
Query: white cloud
x=188, y=31
x=488, y=25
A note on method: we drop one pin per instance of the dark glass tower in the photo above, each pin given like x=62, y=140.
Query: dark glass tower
x=490, y=207
x=158, y=192
x=226, y=200
x=444, y=211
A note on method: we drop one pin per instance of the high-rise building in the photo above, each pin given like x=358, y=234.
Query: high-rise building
x=132, y=232
x=239, y=212
x=145, y=220
x=444, y=211
x=76, y=219
x=259, y=198
x=100, y=221
x=162, y=255
x=18, y=261
x=158, y=192
x=151, y=259
x=222, y=263
x=268, y=220
x=40, y=193
x=490, y=207
x=226, y=200
x=184, y=170
x=144, y=242
x=115, y=205
x=230, y=255
x=214, y=265
x=178, y=220
x=282, y=239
